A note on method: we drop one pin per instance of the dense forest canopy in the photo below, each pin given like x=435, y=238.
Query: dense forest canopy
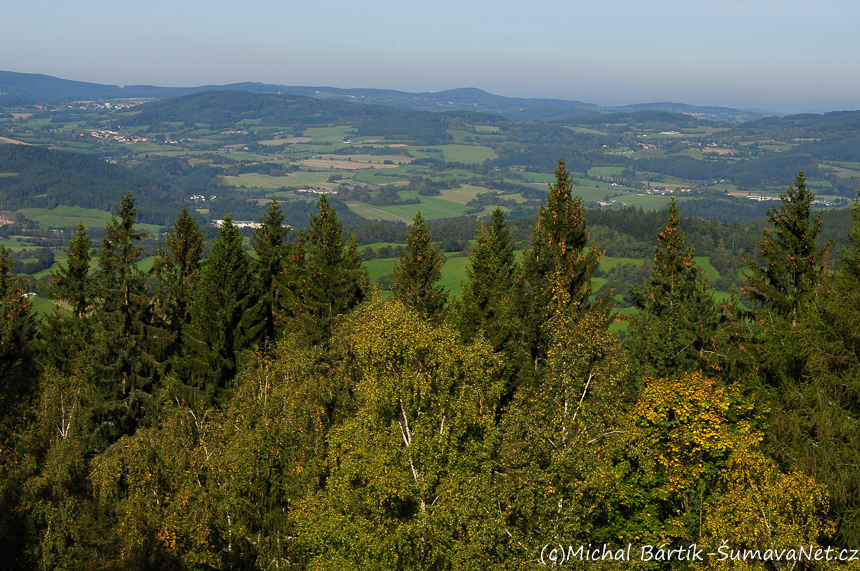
x=268, y=408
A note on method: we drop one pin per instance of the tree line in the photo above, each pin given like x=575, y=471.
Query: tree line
x=259, y=411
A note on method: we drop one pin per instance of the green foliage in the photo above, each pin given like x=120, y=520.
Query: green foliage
x=815, y=412
x=794, y=262
x=47, y=178
x=683, y=431
x=175, y=274
x=558, y=258
x=417, y=272
x=272, y=255
x=555, y=478
x=226, y=316
x=323, y=280
x=72, y=283
x=675, y=328
x=121, y=318
x=407, y=465
x=16, y=335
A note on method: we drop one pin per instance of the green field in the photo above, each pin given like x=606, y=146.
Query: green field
x=431, y=207
x=329, y=134
x=65, y=216
x=145, y=264
x=298, y=178
x=607, y=262
x=379, y=267
x=590, y=194
x=44, y=306
x=722, y=296
x=375, y=213
x=377, y=245
x=704, y=262
x=16, y=245
x=461, y=195
x=469, y=154
x=453, y=272
x=645, y=201
x=539, y=177
x=586, y=131
x=381, y=177
x=605, y=171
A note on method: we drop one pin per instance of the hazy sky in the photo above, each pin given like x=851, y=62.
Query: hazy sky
x=785, y=55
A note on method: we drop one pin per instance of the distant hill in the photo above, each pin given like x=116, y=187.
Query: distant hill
x=700, y=112
x=226, y=108
x=45, y=178
x=40, y=88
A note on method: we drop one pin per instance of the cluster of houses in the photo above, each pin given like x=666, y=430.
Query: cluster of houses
x=665, y=191
x=817, y=202
x=317, y=191
x=108, y=105
x=237, y=224
x=201, y=197
x=128, y=140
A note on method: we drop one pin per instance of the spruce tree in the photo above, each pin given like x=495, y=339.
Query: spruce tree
x=272, y=255
x=17, y=352
x=793, y=262
x=815, y=411
x=72, y=283
x=558, y=262
x=66, y=339
x=490, y=294
x=122, y=304
x=674, y=330
x=226, y=316
x=331, y=280
x=417, y=272
x=176, y=272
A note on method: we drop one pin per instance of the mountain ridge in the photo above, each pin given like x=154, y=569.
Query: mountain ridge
x=42, y=88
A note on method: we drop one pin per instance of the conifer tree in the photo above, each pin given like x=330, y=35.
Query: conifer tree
x=66, y=339
x=176, y=272
x=226, y=316
x=674, y=330
x=273, y=253
x=490, y=295
x=72, y=283
x=417, y=272
x=557, y=260
x=814, y=425
x=121, y=318
x=331, y=280
x=794, y=263
x=17, y=331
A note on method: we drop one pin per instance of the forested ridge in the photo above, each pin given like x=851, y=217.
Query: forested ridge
x=261, y=411
x=47, y=178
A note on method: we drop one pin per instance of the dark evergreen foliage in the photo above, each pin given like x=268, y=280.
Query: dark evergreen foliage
x=417, y=272
x=226, y=317
x=47, y=178
x=559, y=260
x=175, y=273
x=121, y=316
x=794, y=262
x=269, y=242
x=72, y=283
x=678, y=318
x=491, y=298
x=324, y=278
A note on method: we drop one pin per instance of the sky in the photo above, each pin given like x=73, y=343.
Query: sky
x=779, y=55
